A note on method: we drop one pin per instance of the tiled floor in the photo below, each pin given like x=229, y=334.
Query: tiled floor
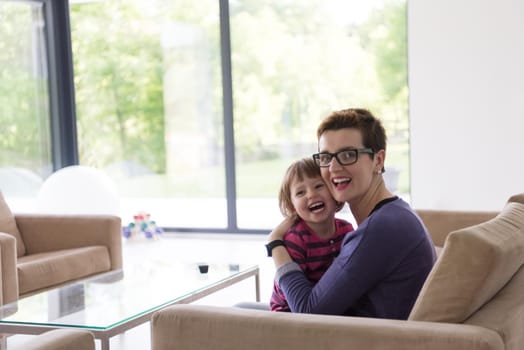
x=212, y=248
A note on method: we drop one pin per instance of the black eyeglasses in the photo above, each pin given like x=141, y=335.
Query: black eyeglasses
x=345, y=157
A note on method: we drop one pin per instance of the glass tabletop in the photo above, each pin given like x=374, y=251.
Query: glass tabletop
x=113, y=298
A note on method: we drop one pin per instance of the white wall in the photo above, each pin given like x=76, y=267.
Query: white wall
x=466, y=81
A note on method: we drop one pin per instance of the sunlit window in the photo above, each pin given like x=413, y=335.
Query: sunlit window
x=149, y=98
x=149, y=105
x=25, y=146
x=296, y=61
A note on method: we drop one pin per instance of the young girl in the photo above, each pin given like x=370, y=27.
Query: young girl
x=315, y=239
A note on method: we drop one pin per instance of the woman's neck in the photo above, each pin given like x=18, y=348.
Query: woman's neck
x=363, y=206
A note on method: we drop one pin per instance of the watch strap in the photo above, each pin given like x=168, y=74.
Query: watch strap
x=273, y=244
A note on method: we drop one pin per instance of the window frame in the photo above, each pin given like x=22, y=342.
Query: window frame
x=61, y=84
x=63, y=108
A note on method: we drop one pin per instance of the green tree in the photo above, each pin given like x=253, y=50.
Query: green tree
x=291, y=65
x=293, y=62
x=384, y=36
x=118, y=78
x=24, y=111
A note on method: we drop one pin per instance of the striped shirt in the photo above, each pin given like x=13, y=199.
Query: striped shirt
x=313, y=254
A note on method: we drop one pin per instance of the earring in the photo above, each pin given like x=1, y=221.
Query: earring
x=379, y=172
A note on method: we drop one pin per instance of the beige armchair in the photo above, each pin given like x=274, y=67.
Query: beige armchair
x=472, y=299
x=59, y=339
x=40, y=251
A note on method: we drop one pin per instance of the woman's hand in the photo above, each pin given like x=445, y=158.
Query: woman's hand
x=280, y=254
x=281, y=229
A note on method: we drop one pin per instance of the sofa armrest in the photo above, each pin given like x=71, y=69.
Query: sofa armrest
x=43, y=233
x=199, y=327
x=440, y=223
x=8, y=274
x=60, y=339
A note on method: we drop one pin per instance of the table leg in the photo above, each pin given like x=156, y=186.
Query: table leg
x=104, y=342
x=3, y=341
x=257, y=286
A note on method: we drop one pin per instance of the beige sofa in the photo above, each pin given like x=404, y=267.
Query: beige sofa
x=472, y=299
x=42, y=251
x=59, y=339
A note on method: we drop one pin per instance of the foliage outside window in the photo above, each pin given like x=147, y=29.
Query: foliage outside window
x=25, y=146
x=149, y=93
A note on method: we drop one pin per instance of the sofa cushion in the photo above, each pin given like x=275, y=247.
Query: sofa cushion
x=8, y=225
x=42, y=270
x=475, y=263
x=505, y=313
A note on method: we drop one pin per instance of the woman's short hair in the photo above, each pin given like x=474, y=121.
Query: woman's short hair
x=373, y=132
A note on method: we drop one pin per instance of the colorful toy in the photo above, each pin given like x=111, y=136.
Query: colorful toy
x=142, y=226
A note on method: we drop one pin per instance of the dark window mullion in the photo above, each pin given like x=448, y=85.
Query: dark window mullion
x=61, y=83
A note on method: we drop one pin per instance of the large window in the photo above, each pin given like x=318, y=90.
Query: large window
x=194, y=109
x=149, y=105
x=294, y=62
x=25, y=146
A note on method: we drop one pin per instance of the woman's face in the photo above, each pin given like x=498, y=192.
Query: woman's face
x=348, y=183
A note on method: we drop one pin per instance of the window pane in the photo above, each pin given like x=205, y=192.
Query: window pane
x=296, y=61
x=149, y=105
x=25, y=148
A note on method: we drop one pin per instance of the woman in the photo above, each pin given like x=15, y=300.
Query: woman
x=383, y=264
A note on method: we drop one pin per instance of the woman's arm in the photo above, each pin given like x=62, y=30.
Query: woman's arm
x=296, y=249
x=376, y=268
x=279, y=254
x=338, y=289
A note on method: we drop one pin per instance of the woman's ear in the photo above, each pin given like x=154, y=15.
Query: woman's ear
x=380, y=158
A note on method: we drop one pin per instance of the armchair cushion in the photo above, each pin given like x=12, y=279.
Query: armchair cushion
x=61, y=339
x=474, y=265
x=8, y=225
x=42, y=270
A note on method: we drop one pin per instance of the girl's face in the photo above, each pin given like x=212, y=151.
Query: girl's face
x=312, y=200
x=349, y=183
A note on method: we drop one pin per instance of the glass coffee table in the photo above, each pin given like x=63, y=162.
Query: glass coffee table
x=111, y=303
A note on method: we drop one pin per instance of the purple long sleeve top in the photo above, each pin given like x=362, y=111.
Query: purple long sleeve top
x=312, y=253
x=379, y=272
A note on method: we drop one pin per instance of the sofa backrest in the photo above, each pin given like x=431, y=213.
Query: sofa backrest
x=517, y=198
x=8, y=225
x=505, y=312
x=477, y=276
x=440, y=223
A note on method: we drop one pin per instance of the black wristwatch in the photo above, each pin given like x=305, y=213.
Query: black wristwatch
x=273, y=244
